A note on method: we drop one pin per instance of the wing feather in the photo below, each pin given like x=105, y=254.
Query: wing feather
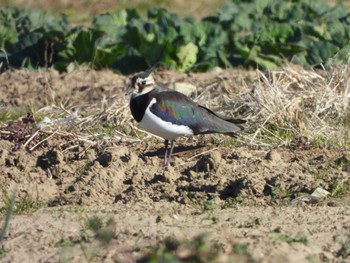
x=178, y=109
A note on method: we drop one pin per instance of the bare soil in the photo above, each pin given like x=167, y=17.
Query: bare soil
x=232, y=199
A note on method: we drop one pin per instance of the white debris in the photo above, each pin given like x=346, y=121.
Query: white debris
x=45, y=122
x=315, y=197
x=320, y=193
x=48, y=122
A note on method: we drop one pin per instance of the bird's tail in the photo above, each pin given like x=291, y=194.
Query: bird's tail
x=237, y=127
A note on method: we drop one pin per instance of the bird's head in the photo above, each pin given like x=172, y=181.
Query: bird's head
x=143, y=82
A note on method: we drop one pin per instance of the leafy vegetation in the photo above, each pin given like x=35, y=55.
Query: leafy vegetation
x=197, y=249
x=172, y=250
x=100, y=228
x=250, y=33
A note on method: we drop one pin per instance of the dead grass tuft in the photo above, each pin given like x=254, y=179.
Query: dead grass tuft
x=294, y=102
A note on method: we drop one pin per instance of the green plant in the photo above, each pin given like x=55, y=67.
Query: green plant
x=171, y=250
x=252, y=222
x=343, y=162
x=12, y=114
x=340, y=189
x=26, y=204
x=9, y=209
x=254, y=33
x=299, y=239
x=100, y=228
x=231, y=202
x=344, y=251
x=209, y=205
x=243, y=253
x=84, y=168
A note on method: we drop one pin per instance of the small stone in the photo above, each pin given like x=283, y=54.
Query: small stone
x=274, y=156
x=186, y=88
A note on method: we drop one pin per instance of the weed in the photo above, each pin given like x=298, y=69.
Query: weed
x=27, y=204
x=173, y=250
x=2, y=252
x=101, y=130
x=317, y=259
x=252, y=222
x=66, y=252
x=103, y=231
x=277, y=192
x=19, y=130
x=344, y=251
x=320, y=142
x=300, y=239
x=83, y=169
x=320, y=174
x=209, y=205
x=276, y=132
x=225, y=141
x=241, y=250
x=12, y=114
x=94, y=223
x=9, y=208
x=231, y=202
x=343, y=163
x=340, y=189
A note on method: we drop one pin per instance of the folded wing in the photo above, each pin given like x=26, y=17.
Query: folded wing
x=174, y=107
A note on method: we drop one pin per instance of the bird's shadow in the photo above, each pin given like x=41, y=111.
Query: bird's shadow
x=178, y=150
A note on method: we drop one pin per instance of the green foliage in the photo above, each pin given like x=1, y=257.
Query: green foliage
x=249, y=33
x=9, y=207
x=12, y=114
x=25, y=204
x=172, y=250
x=100, y=229
x=209, y=205
x=300, y=239
x=341, y=189
x=31, y=37
x=344, y=251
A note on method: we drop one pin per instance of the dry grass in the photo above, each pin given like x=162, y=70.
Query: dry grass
x=280, y=106
x=295, y=102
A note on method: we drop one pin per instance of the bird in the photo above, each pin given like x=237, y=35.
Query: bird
x=170, y=114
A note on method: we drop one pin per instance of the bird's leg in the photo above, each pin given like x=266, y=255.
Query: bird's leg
x=166, y=144
x=171, y=152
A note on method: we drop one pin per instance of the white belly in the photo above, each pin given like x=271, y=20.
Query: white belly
x=155, y=125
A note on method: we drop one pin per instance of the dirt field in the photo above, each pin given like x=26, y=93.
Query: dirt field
x=90, y=187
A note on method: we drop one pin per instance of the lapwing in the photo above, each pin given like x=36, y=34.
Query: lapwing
x=170, y=114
